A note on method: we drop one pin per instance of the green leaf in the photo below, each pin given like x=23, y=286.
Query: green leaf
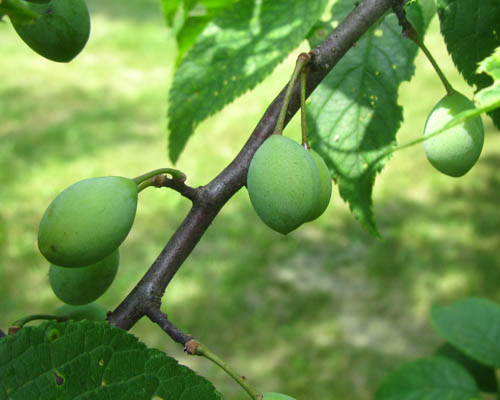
x=471, y=30
x=473, y=326
x=432, y=378
x=353, y=115
x=490, y=96
x=188, y=18
x=235, y=52
x=187, y=35
x=92, y=360
x=170, y=9
x=484, y=376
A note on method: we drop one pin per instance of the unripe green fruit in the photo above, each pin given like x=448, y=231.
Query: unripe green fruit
x=60, y=32
x=456, y=150
x=83, y=285
x=276, y=396
x=325, y=187
x=88, y=221
x=283, y=183
x=92, y=312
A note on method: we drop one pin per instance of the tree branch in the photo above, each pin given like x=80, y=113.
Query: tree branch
x=212, y=197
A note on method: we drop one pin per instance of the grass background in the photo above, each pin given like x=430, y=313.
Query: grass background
x=324, y=312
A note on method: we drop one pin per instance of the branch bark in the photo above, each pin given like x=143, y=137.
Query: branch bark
x=213, y=196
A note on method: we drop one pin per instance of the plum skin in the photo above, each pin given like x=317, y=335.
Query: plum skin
x=91, y=312
x=283, y=183
x=325, y=188
x=88, y=221
x=79, y=286
x=60, y=32
x=455, y=151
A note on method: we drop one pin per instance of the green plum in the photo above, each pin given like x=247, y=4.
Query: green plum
x=325, y=187
x=78, y=286
x=91, y=311
x=88, y=221
x=283, y=183
x=60, y=31
x=276, y=396
x=455, y=151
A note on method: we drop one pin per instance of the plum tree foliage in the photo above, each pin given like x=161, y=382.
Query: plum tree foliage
x=227, y=47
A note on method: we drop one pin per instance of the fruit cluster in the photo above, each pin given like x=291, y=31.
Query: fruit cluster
x=80, y=233
x=55, y=29
x=288, y=185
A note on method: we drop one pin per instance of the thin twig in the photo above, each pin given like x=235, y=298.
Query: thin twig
x=168, y=327
x=185, y=190
x=411, y=33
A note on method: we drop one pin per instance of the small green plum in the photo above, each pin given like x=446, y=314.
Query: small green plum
x=91, y=312
x=78, y=286
x=455, y=151
x=88, y=221
x=325, y=188
x=276, y=396
x=61, y=30
x=283, y=183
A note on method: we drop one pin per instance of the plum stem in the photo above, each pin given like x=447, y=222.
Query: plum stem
x=303, y=119
x=195, y=347
x=23, y=321
x=444, y=80
x=410, y=32
x=175, y=173
x=302, y=60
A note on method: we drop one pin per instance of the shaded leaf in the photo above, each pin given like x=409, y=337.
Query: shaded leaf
x=471, y=30
x=473, y=326
x=91, y=360
x=484, y=376
x=432, y=378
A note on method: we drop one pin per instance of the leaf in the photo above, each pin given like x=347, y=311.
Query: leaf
x=432, y=378
x=188, y=18
x=490, y=96
x=235, y=52
x=353, y=115
x=483, y=375
x=92, y=360
x=471, y=31
x=473, y=326
x=170, y=9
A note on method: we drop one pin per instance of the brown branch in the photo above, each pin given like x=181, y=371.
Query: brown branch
x=212, y=197
x=161, y=319
x=181, y=187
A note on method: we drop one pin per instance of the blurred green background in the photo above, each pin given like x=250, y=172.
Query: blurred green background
x=323, y=313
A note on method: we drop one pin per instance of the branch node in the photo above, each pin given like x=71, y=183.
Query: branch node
x=191, y=347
